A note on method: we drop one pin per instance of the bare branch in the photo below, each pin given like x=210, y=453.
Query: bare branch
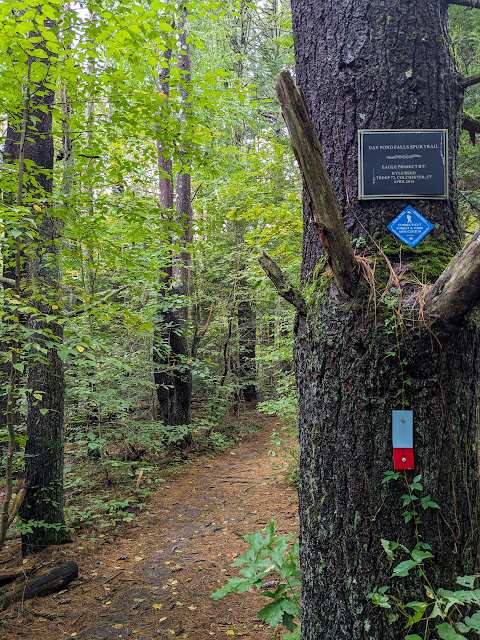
x=470, y=81
x=282, y=283
x=473, y=4
x=86, y=309
x=470, y=124
x=457, y=290
x=204, y=330
x=325, y=209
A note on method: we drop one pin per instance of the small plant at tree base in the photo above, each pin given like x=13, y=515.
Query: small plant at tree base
x=270, y=557
x=441, y=608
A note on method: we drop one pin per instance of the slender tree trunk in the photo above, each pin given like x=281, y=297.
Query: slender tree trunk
x=13, y=258
x=247, y=337
x=43, y=504
x=182, y=376
x=11, y=153
x=379, y=65
x=246, y=316
x=161, y=343
x=246, y=324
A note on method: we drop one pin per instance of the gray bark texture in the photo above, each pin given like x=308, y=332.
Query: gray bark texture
x=173, y=378
x=44, y=451
x=375, y=64
x=162, y=376
x=380, y=64
x=182, y=377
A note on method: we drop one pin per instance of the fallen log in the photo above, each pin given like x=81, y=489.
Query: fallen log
x=51, y=582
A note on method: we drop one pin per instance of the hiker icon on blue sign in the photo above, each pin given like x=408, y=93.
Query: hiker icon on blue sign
x=410, y=226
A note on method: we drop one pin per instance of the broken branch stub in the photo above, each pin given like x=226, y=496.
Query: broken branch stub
x=312, y=166
x=280, y=280
x=457, y=290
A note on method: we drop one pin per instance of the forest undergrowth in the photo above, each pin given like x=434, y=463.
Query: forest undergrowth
x=150, y=556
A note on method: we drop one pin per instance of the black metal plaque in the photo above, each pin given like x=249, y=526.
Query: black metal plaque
x=402, y=163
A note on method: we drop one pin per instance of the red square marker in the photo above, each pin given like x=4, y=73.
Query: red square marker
x=403, y=458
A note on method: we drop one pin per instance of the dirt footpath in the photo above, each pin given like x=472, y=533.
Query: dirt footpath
x=154, y=580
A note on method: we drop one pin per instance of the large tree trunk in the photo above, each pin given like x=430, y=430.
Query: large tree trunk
x=43, y=504
x=382, y=64
x=379, y=65
x=173, y=377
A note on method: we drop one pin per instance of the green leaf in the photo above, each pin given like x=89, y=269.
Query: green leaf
x=420, y=556
x=436, y=611
x=468, y=581
x=418, y=616
x=49, y=11
x=272, y=614
x=230, y=587
x=288, y=621
x=447, y=632
x=473, y=622
x=416, y=486
x=390, y=475
x=389, y=547
x=63, y=354
x=39, y=53
x=403, y=568
x=19, y=366
x=289, y=605
x=413, y=636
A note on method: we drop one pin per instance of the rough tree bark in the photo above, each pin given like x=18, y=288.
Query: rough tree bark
x=182, y=377
x=162, y=377
x=43, y=503
x=247, y=339
x=381, y=64
x=243, y=41
x=173, y=378
x=243, y=359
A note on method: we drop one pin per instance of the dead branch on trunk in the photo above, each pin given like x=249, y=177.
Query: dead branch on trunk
x=457, y=290
x=281, y=282
x=470, y=81
x=473, y=4
x=470, y=124
x=326, y=213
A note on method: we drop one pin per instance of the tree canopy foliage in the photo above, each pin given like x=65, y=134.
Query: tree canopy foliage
x=97, y=109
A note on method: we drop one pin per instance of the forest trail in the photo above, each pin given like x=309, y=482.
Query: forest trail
x=154, y=579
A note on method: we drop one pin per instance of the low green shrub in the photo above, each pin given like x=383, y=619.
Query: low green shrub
x=270, y=563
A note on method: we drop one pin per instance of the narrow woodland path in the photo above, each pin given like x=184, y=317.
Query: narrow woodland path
x=154, y=581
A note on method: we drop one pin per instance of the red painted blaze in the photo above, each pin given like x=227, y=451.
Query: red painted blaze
x=403, y=458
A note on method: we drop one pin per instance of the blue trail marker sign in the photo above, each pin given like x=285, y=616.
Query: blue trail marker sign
x=410, y=226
